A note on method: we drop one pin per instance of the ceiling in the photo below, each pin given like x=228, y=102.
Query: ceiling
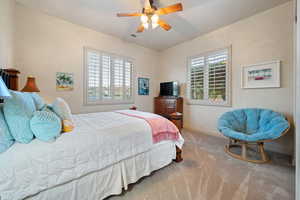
x=198, y=17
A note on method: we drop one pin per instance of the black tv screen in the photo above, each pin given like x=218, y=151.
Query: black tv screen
x=169, y=89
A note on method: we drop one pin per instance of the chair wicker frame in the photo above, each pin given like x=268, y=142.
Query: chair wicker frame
x=244, y=145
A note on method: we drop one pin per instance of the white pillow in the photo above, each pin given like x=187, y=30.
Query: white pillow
x=62, y=109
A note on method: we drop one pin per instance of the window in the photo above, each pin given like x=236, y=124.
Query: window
x=108, y=78
x=209, y=78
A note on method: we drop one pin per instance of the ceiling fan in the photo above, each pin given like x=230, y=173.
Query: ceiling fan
x=150, y=15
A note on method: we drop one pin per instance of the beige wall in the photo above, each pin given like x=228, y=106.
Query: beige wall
x=7, y=29
x=263, y=37
x=46, y=45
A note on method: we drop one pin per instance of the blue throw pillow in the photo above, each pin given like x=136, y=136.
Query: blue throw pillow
x=38, y=101
x=45, y=125
x=6, y=139
x=18, y=110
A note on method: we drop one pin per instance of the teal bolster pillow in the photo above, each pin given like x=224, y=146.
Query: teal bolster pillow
x=18, y=110
x=45, y=125
x=38, y=101
x=6, y=139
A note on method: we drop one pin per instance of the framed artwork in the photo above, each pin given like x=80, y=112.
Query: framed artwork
x=64, y=81
x=143, y=86
x=263, y=75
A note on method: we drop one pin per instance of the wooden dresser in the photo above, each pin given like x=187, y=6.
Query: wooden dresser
x=165, y=106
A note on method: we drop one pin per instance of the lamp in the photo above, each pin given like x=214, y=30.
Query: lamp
x=4, y=93
x=30, y=85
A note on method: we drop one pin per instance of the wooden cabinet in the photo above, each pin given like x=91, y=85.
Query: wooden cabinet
x=165, y=106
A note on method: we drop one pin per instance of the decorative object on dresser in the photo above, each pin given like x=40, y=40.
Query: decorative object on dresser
x=30, y=85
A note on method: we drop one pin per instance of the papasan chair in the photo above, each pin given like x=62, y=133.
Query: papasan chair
x=252, y=126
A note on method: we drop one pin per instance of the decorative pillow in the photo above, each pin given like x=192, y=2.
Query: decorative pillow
x=62, y=109
x=18, y=110
x=67, y=126
x=6, y=139
x=45, y=125
x=38, y=101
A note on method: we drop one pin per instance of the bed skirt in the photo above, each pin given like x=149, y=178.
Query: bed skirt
x=111, y=180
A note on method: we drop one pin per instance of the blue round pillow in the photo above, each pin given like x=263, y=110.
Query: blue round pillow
x=45, y=125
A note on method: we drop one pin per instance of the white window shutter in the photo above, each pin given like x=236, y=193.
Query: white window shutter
x=208, y=78
x=93, y=65
x=197, y=78
x=118, y=78
x=217, y=75
x=109, y=78
x=128, y=79
x=106, y=77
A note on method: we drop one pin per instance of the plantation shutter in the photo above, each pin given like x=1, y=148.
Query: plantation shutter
x=197, y=78
x=128, y=84
x=118, y=78
x=208, y=78
x=109, y=78
x=106, y=77
x=93, y=59
x=217, y=75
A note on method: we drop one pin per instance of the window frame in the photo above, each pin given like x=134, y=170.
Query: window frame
x=86, y=78
x=206, y=102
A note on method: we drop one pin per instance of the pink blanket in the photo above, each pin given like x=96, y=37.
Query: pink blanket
x=162, y=128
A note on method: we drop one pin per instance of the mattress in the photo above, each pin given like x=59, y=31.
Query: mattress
x=99, y=140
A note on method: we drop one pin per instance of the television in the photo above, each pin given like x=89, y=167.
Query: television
x=169, y=89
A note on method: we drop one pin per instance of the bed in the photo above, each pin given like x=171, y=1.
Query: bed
x=100, y=157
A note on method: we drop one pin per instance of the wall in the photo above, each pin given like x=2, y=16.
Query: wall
x=263, y=37
x=7, y=29
x=46, y=45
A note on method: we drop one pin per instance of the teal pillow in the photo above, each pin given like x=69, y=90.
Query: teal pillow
x=6, y=139
x=38, y=101
x=18, y=110
x=45, y=125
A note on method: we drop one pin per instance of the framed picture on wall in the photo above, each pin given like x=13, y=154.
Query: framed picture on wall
x=143, y=86
x=263, y=75
x=64, y=81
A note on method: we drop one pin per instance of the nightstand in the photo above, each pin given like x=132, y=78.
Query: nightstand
x=177, y=119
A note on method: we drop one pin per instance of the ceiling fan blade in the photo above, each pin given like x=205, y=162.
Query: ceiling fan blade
x=170, y=9
x=140, y=29
x=164, y=25
x=129, y=14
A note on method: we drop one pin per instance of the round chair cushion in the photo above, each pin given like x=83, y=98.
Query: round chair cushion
x=45, y=125
x=252, y=124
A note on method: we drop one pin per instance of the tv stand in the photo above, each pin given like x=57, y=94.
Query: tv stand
x=167, y=105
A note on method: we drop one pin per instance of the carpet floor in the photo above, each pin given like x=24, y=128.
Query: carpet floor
x=208, y=173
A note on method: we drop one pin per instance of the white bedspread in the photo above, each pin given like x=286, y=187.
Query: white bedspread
x=99, y=140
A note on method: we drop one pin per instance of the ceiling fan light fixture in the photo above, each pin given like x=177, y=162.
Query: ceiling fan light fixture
x=144, y=19
x=154, y=18
x=146, y=25
x=154, y=25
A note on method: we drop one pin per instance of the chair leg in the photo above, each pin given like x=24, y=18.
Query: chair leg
x=244, y=151
x=262, y=152
x=244, y=147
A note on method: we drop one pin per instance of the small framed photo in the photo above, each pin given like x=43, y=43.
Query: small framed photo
x=143, y=86
x=64, y=81
x=263, y=75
